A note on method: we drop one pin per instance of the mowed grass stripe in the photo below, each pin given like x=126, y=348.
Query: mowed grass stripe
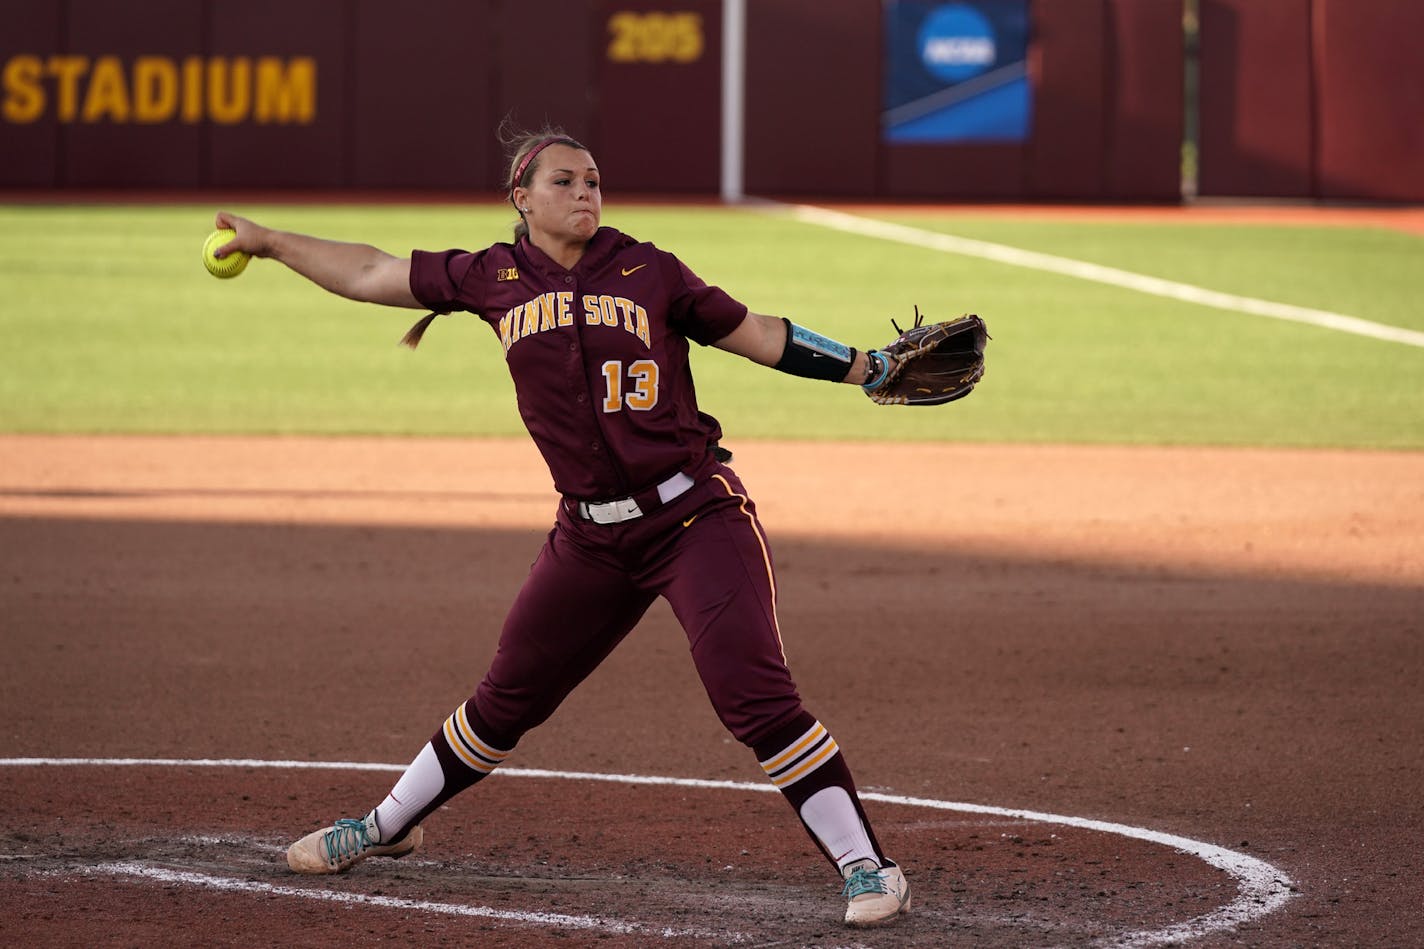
x=112, y=325
x=1112, y=276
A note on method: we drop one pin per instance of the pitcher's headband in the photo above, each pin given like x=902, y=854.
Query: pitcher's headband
x=533, y=152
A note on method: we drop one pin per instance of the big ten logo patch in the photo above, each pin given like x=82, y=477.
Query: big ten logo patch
x=150, y=90
x=555, y=309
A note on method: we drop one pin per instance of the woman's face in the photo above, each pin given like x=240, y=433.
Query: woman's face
x=563, y=197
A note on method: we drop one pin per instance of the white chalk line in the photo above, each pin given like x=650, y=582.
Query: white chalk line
x=1261, y=888
x=1082, y=270
x=561, y=920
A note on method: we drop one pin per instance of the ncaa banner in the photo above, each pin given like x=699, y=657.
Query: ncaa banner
x=956, y=71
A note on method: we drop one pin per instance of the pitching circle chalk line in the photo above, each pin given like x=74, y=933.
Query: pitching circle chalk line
x=1261, y=888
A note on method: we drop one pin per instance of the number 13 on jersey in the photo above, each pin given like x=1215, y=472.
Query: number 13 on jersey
x=644, y=392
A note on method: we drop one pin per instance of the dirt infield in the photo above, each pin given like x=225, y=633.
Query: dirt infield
x=1207, y=663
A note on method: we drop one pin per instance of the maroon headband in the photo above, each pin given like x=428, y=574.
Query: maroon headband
x=524, y=162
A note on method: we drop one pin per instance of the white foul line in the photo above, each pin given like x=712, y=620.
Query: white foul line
x=1261, y=889
x=124, y=869
x=1068, y=267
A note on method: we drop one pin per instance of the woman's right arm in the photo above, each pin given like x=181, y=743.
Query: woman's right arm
x=355, y=271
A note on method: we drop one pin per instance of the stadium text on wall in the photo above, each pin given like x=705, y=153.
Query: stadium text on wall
x=150, y=90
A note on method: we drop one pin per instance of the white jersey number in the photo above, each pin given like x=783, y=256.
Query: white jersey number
x=644, y=392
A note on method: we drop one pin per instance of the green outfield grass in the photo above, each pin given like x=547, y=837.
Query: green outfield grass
x=110, y=324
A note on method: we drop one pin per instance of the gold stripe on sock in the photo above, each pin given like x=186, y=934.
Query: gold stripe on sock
x=475, y=753
x=462, y=721
x=457, y=746
x=820, y=758
x=798, y=746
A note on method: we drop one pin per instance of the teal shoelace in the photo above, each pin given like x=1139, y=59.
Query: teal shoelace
x=346, y=839
x=863, y=881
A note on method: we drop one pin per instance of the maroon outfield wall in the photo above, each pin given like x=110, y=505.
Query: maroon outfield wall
x=1312, y=98
x=1370, y=99
x=375, y=94
x=1299, y=97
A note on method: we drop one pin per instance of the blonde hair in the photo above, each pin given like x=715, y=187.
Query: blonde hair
x=523, y=148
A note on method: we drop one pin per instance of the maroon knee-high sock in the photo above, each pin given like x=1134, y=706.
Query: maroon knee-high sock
x=801, y=758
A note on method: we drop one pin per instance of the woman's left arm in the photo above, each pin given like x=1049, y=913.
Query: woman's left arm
x=766, y=340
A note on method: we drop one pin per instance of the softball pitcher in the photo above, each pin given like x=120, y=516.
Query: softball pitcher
x=595, y=328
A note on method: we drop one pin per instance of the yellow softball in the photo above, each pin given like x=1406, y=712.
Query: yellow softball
x=231, y=265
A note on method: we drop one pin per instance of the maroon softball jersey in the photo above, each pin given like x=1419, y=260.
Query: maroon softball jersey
x=599, y=358
x=598, y=354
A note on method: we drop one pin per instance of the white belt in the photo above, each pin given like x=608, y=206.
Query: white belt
x=628, y=509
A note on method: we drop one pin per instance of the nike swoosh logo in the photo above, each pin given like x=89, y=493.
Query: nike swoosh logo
x=633, y=270
x=688, y=522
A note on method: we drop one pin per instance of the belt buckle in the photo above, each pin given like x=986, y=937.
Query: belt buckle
x=614, y=512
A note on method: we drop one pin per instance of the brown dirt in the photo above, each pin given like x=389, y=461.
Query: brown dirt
x=1219, y=644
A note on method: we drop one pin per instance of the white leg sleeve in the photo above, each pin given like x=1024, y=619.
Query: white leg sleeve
x=417, y=787
x=834, y=820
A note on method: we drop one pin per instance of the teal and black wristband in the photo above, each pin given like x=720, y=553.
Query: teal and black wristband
x=813, y=356
x=877, y=371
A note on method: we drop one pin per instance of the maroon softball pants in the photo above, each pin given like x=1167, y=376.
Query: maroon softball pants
x=706, y=553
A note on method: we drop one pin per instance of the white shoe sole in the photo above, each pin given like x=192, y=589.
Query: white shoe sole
x=304, y=856
x=884, y=920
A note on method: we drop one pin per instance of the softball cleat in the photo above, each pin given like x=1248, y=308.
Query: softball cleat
x=341, y=846
x=876, y=895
